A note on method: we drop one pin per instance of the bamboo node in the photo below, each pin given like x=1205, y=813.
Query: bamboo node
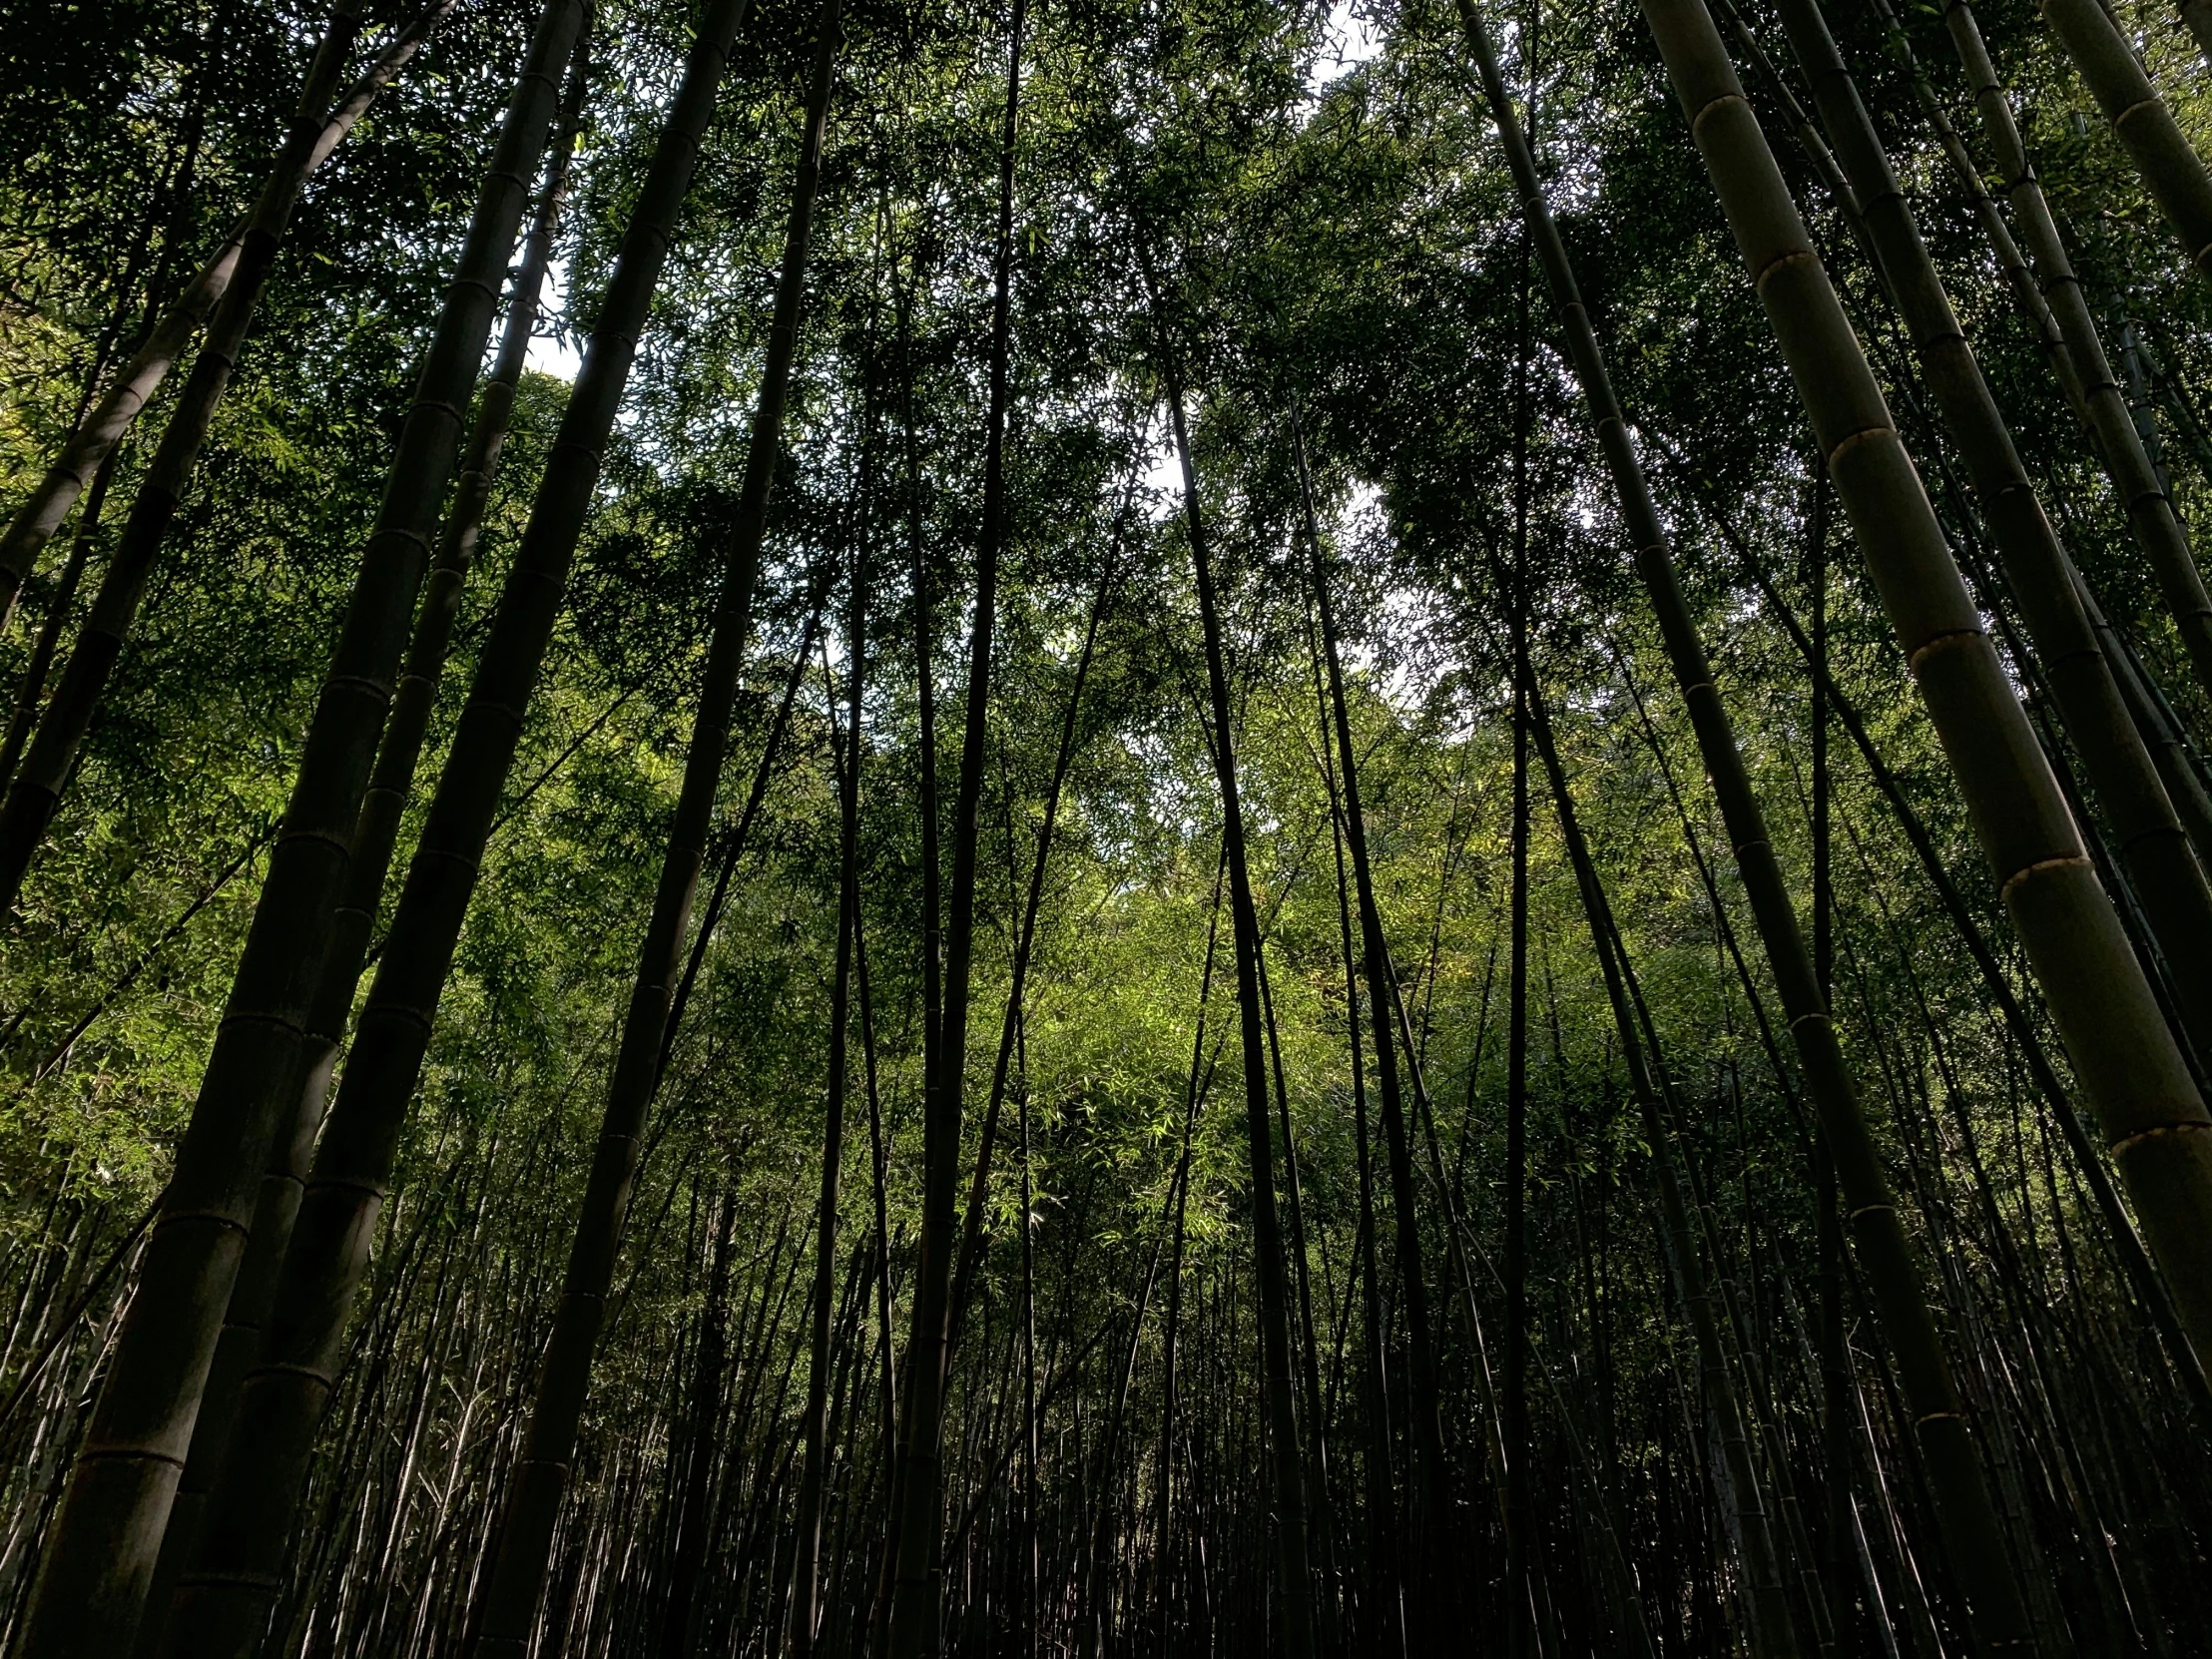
x=1871, y=1209
x=1789, y=255
x=1929, y=647
x=1860, y=437
x=2069, y=861
x=135, y=1453
x=1698, y=120
x=169, y=1218
x=2153, y=1132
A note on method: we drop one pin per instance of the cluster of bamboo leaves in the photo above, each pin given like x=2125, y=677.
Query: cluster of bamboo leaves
x=1202, y=184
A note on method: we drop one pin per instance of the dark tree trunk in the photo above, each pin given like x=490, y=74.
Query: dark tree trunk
x=915, y=1544
x=1292, y=1585
x=101, y=1550
x=516, y=1583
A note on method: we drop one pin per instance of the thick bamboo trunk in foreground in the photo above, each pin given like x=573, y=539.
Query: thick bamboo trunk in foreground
x=1697, y=60
x=2126, y=1244
x=102, y=1547
x=2177, y=901
x=2197, y=15
x=228, y=1586
x=2130, y=1065
x=237, y=1349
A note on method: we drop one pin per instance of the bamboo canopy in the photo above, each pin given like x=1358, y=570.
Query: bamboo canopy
x=1146, y=828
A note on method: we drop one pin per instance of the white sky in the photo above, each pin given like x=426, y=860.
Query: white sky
x=1351, y=41
x=1163, y=480
x=547, y=354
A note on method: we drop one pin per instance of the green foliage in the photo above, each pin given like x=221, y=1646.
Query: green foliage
x=1351, y=243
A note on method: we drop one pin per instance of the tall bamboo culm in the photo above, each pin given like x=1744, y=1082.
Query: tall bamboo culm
x=2140, y=120
x=292, y=1148
x=2130, y=1065
x=803, y=1622
x=2128, y=1244
x=2177, y=773
x=31, y=691
x=2177, y=901
x=517, y=1582
x=1969, y=1516
x=1429, y=1529
x=101, y=1549
x=912, y=1540
x=224, y=1596
x=1293, y=1586
x=1772, y=1631
x=2150, y=511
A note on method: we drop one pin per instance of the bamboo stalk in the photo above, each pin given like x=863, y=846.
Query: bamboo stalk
x=2154, y=1121
x=2150, y=511
x=512, y=1597
x=101, y=1551
x=1753, y=192
x=914, y=1553
x=223, y=1599
x=2140, y=120
x=1293, y=1587
x=369, y=861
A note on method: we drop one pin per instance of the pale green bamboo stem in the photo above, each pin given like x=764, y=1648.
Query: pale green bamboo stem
x=2150, y=512
x=2146, y=829
x=2140, y=120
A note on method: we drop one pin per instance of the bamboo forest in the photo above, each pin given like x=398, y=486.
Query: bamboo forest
x=1105, y=829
